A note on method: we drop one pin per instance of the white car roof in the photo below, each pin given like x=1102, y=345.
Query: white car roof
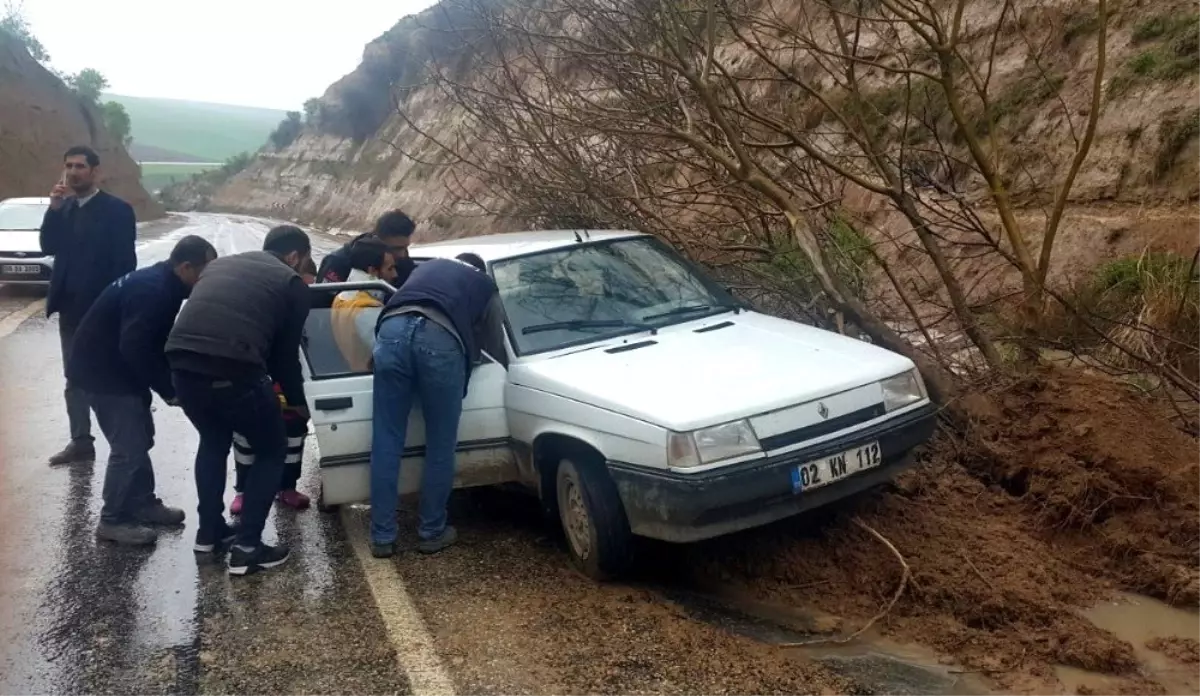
x=494, y=247
x=26, y=201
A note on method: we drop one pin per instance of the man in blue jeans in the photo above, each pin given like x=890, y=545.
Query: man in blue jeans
x=428, y=339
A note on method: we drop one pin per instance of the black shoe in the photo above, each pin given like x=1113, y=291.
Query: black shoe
x=76, y=452
x=440, y=542
x=158, y=514
x=211, y=543
x=244, y=561
x=126, y=534
x=383, y=550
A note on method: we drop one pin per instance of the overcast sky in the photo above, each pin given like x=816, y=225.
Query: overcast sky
x=272, y=53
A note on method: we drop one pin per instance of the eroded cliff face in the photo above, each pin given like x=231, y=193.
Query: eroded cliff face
x=362, y=157
x=39, y=119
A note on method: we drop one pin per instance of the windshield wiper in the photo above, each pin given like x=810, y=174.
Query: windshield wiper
x=686, y=309
x=576, y=324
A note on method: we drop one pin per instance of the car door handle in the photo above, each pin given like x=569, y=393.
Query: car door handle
x=341, y=403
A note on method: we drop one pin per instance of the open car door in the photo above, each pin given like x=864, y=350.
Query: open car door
x=339, y=388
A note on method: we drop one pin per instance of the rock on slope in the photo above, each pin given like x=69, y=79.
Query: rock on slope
x=39, y=119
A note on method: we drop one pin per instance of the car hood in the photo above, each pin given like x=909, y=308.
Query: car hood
x=20, y=240
x=693, y=378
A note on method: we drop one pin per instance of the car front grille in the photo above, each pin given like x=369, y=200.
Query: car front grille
x=827, y=427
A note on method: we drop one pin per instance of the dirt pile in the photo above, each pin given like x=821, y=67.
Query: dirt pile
x=1063, y=490
x=1101, y=470
x=39, y=119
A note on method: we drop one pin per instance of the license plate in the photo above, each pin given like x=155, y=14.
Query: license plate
x=823, y=472
x=23, y=269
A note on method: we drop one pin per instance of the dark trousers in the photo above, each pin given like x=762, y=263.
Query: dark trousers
x=218, y=408
x=296, y=430
x=128, y=425
x=78, y=417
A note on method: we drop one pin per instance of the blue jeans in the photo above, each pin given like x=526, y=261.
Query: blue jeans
x=415, y=360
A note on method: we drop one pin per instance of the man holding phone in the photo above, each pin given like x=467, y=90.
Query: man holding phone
x=90, y=233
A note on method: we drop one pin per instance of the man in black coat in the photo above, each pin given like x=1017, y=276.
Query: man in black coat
x=239, y=332
x=394, y=229
x=125, y=334
x=90, y=233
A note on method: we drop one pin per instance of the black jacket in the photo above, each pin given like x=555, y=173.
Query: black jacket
x=243, y=319
x=335, y=267
x=92, y=245
x=122, y=337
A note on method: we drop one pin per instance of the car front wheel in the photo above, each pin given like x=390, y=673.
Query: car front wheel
x=593, y=520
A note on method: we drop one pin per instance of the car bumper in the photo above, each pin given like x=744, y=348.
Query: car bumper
x=10, y=276
x=691, y=507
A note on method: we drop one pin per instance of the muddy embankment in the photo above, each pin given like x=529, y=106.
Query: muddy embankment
x=1063, y=491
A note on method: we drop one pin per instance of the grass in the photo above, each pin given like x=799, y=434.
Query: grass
x=848, y=251
x=1026, y=93
x=1175, y=132
x=1174, y=55
x=156, y=176
x=213, y=132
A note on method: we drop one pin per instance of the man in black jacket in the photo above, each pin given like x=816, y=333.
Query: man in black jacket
x=239, y=331
x=91, y=235
x=121, y=359
x=394, y=229
x=430, y=335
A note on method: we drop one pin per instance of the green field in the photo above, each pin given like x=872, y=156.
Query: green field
x=208, y=132
x=156, y=175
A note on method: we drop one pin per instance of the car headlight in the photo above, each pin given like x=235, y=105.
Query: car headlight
x=709, y=445
x=903, y=389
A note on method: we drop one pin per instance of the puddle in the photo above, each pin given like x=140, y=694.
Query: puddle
x=875, y=663
x=1137, y=619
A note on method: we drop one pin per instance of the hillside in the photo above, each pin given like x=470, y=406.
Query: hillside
x=204, y=131
x=39, y=119
x=355, y=163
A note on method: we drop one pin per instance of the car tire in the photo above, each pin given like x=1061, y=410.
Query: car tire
x=593, y=520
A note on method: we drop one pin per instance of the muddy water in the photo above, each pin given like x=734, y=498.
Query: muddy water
x=1138, y=620
x=876, y=663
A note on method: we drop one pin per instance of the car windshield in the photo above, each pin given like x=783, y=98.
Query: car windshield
x=21, y=216
x=592, y=291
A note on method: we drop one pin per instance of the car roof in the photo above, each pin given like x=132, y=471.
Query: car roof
x=26, y=201
x=494, y=247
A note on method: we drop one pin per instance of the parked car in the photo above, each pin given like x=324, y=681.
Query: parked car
x=21, y=258
x=641, y=399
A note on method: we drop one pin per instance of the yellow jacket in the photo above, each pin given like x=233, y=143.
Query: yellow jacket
x=354, y=328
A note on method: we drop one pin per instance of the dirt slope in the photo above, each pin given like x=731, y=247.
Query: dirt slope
x=39, y=119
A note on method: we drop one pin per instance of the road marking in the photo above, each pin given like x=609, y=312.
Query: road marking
x=405, y=629
x=10, y=323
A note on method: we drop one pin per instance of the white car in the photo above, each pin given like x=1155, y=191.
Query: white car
x=21, y=258
x=641, y=399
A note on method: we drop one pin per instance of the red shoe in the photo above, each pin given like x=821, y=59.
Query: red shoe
x=294, y=499
x=236, y=507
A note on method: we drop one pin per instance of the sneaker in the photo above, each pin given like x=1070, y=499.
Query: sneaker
x=126, y=534
x=383, y=550
x=440, y=542
x=235, y=508
x=243, y=561
x=209, y=543
x=158, y=514
x=76, y=452
x=293, y=499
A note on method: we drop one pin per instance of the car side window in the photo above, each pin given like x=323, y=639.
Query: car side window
x=340, y=334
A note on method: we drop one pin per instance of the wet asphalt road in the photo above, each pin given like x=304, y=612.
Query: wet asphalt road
x=77, y=616
x=500, y=613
